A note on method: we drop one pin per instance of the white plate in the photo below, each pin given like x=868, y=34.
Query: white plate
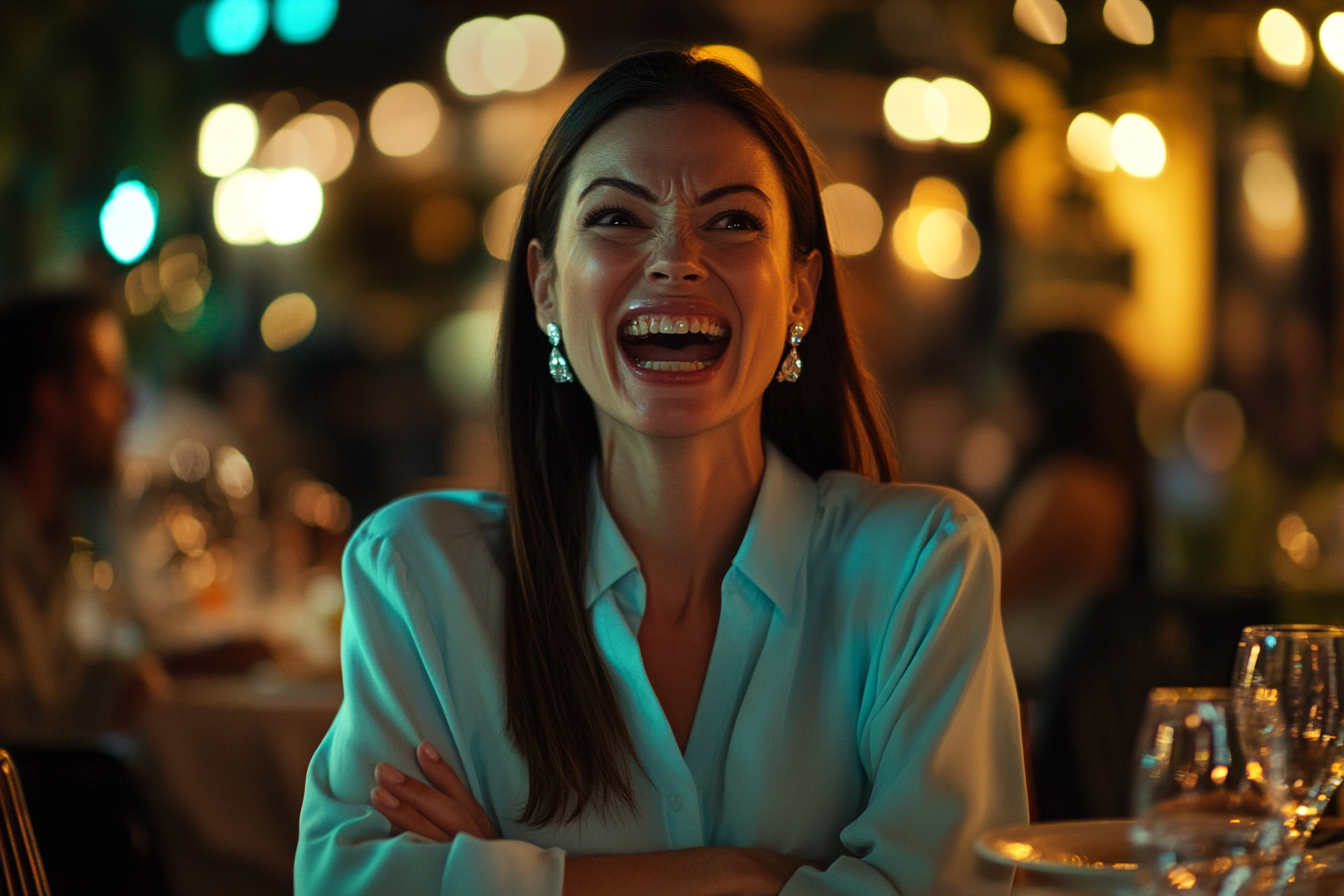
x=1095, y=850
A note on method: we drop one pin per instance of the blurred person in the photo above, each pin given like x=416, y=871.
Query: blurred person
x=703, y=644
x=1074, y=524
x=64, y=397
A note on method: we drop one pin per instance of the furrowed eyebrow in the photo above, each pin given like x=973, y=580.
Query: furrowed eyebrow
x=720, y=192
x=619, y=183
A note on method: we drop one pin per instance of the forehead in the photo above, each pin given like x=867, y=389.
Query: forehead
x=670, y=148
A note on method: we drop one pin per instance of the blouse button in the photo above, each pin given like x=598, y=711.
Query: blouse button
x=677, y=803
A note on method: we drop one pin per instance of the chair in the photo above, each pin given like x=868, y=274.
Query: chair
x=90, y=820
x=19, y=859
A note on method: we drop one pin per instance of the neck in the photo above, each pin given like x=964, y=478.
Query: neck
x=38, y=480
x=683, y=506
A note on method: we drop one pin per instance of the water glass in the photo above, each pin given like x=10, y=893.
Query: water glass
x=1301, y=663
x=1209, y=793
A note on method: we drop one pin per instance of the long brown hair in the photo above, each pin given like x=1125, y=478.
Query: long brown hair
x=562, y=710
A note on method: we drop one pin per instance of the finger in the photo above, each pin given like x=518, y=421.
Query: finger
x=438, y=808
x=403, y=817
x=442, y=776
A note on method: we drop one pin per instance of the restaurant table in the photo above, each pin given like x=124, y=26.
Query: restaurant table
x=229, y=757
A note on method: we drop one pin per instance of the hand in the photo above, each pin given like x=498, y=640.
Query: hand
x=440, y=812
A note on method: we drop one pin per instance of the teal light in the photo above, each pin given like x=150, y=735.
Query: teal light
x=234, y=27
x=128, y=220
x=191, y=40
x=304, y=21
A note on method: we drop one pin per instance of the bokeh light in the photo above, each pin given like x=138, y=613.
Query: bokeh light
x=189, y=460
x=183, y=275
x=404, y=119
x=853, y=218
x=490, y=54
x=191, y=40
x=240, y=205
x=228, y=137
x=967, y=111
x=1138, y=145
x=233, y=473
x=1283, y=38
x=442, y=228
x=1089, y=142
x=1043, y=20
x=235, y=27
x=735, y=56
x=1129, y=20
x=1270, y=188
x=1215, y=429
x=906, y=107
x=141, y=287
x=287, y=321
x=128, y=220
x=460, y=357
x=292, y=206
x=934, y=234
x=304, y=21
x=501, y=221
x=318, y=143
x=986, y=459
x=1332, y=40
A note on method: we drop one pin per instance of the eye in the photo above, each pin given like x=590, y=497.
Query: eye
x=611, y=216
x=737, y=219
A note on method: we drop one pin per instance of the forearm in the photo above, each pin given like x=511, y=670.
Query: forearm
x=703, y=871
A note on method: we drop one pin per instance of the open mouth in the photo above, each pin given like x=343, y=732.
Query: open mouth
x=674, y=342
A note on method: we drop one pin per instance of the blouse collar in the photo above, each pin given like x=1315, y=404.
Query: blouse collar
x=772, y=551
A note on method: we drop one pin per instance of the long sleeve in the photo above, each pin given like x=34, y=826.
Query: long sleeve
x=939, y=738
x=396, y=695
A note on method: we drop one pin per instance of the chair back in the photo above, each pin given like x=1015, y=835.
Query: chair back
x=20, y=862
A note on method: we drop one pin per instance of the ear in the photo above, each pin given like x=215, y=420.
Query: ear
x=541, y=274
x=806, y=281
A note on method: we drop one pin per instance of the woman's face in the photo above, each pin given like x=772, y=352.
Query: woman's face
x=673, y=278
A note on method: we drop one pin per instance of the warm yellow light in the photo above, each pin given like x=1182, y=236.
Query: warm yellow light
x=1138, y=145
x=905, y=237
x=240, y=203
x=227, y=140
x=1283, y=38
x=1129, y=20
x=907, y=105
x=233, y=472
x=141, y=288
x=1089, y=142
x=736, y=57
x=948, y=244
x=1270, y=188
x=853, y=218
x=936, y=192
x=967, y=115
x=287, y=321
x=319, y=143
x=293, y=206
x=1289, y=528
x=1043, y=20
x=1332, y=40
x=184, y=277
x=404, y=119
x=501, y=221
x=490, y=54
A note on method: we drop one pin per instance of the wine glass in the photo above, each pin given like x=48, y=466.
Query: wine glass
x=1209, y=792
x=1302, y=663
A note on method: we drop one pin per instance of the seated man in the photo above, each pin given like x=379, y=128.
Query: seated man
x=63, y=399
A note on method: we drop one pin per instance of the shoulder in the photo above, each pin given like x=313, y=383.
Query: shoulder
x=852, y=507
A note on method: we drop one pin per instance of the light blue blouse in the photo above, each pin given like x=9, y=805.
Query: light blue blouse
x=858, y=708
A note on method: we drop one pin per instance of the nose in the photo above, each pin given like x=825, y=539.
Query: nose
x=675, y=259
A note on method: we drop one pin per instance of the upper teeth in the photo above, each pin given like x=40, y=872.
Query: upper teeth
x=659, y=323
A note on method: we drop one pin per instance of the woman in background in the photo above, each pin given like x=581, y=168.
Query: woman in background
x=698, y=646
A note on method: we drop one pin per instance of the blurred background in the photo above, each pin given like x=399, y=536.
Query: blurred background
x=300, y=207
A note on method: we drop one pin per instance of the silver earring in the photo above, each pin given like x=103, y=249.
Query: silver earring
x=560, y=371
x=792, y=365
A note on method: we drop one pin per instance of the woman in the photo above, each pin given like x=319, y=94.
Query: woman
x=692, y=652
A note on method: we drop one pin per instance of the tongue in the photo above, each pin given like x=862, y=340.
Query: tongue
x=691, y=351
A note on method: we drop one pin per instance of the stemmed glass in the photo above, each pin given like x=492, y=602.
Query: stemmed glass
x=1302, y=663
x=1209, y=793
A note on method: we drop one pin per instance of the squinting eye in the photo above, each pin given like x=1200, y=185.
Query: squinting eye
x=738, y=221
x=610, y=217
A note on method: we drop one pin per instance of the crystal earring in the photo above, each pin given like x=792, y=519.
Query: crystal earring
x=560, y=371
x=792, y=365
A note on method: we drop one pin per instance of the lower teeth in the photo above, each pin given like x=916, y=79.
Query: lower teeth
x=680, y=366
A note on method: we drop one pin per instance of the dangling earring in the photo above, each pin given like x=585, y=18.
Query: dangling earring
x=792, y=365
x=560, y=371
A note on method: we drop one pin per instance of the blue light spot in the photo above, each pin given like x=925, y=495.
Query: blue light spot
x=304, y=21
x=191, y=41
x=1270, y=641
x=234, y=27
x=128, y=220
